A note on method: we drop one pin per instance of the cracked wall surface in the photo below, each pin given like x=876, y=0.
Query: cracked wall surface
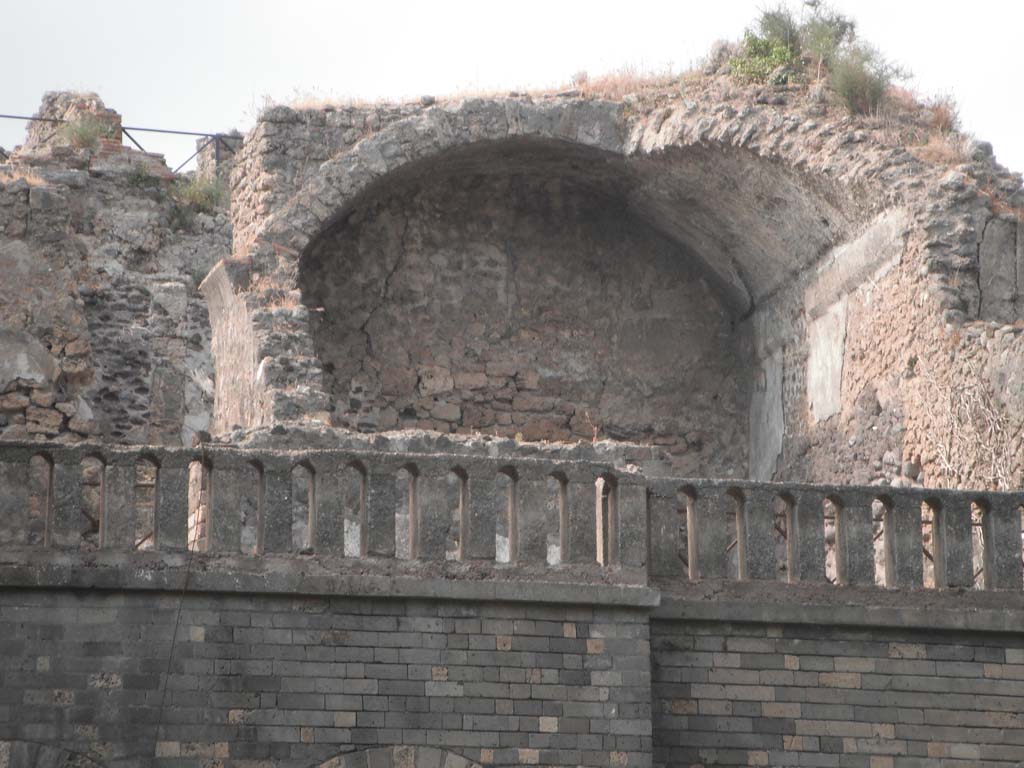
x=525, y=305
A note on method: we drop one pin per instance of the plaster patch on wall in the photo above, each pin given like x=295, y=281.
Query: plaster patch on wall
x=766, y=418
x=826, y=342
x=852, y=264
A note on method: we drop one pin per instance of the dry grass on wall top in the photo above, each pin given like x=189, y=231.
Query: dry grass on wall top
x=12, y=175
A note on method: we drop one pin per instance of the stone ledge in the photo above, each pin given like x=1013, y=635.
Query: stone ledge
x=290, y=577
x=776, y=603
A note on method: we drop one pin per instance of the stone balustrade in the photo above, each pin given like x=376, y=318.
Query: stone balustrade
x=521, y=511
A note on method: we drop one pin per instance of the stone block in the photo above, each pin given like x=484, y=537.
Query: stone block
x=667, y=557
x=227, y=496
x=904, y=564
x=806, y=538
x=581, y=508
x=171, y=521
x=484, y=503
x=68, y=506
x=631, y=528
x=277, y=509
x=381, y=502
x=708, y=527
x=119, y=522
x=437, y=497
x=14, y=500
x=952, y=545
x=1001, y=526
x=329, y=520
x=855, y=550
x=755, y=536
x=535, y=507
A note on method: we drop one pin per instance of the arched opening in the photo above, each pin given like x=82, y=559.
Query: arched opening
x=548, y=290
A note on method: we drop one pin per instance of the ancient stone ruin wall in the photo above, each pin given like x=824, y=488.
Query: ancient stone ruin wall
x=510, y=306
x=285, y=149
x=884, y=352
x=104, y=332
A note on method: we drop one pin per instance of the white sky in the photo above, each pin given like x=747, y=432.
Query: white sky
x=208, y=65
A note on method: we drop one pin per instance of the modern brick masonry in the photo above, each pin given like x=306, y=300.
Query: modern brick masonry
x=604, y=619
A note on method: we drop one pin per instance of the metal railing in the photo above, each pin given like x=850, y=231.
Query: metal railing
x=220, y=140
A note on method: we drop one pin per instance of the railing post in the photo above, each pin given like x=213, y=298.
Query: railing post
x=67, y=501
x=14, y=496
x=632, y=522
x=172, y=502
x=806, y=537
x=535, y=507
x=480, y=511
x=329, y=524
x=119, y=514
x=381, y=502
x=581, y=514
x=1001, y=529
x=707, y=529
x=228, y=485
x=754, y=531
x=855, y=549
x=904, y=566
x=952, y=545
x=276, y=518
x=437, y=495
x=664, y=530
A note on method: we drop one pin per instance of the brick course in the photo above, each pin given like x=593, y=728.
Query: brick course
x=285, y=681
x=789, y=695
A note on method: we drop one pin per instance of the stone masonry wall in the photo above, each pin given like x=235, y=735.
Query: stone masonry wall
x=104, y=333
x=784, y=695
x=514, y=305
x=259, y=681
x=286, y=148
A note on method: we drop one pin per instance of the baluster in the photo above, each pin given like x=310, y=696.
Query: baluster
x=1001, y=530
x=904, y=566
x=329, y=524
x=437, y=494
x=631, y=529
x=381, y=501
x=855, y=550
x=67, y=510
x=228, y=481
x=529, y=535
x=664, y=530
x=754, y=532
x=581, y=536
x=14, y=496
x=276, y=523
x=172, y=502
x=119, y=514
x=806, y=537
x=707, y=528
x=480, y=512
x=952, y=547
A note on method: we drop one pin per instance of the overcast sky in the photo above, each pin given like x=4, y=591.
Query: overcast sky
x=209, y=65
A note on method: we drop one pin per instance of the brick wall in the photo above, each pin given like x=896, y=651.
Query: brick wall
x=260, y=681
x=786, y=695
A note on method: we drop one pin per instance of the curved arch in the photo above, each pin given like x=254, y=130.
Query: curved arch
x=400, y=757
x=30, y=754
x=747, y=213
